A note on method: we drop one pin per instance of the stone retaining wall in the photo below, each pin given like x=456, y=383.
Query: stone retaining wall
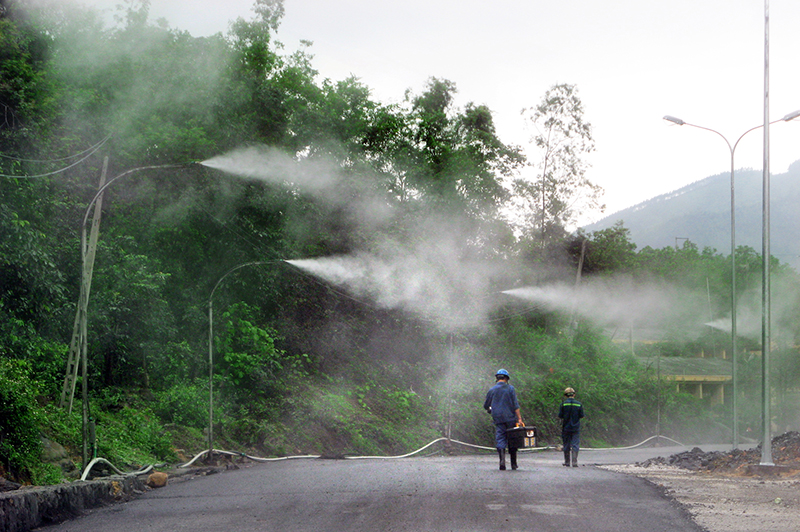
x=27, y=508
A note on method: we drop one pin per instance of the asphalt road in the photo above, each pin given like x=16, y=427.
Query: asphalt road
x=463, y=493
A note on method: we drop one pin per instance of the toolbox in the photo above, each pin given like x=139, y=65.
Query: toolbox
x=521, y=437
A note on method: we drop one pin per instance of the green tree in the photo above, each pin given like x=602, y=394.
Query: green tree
x=561, y=190
x=610, y=251
x=130, y=317
x=250, y=362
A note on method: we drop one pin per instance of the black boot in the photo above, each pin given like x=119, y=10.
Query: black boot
x=566, y=457
x=575, y=458
x=502, y=453
x=513, y=453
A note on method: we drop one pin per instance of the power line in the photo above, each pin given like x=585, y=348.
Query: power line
x=86, y=154
x=56, y=160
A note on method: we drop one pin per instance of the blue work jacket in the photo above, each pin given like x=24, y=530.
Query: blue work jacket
x=501, y=401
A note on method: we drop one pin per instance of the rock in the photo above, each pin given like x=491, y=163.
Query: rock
x=157, y=480
x=7, y=485
x=785, y=448
x=52, y=452
x=55, y=453
x=182, y=456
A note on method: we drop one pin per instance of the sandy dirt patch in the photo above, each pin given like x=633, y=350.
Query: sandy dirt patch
x=742, y=500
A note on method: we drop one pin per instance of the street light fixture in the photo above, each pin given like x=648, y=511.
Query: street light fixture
x=732, y=149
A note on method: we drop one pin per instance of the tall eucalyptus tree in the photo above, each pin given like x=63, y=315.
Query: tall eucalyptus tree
x=561, y=190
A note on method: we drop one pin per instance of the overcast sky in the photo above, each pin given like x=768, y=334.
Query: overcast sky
x=633, y=62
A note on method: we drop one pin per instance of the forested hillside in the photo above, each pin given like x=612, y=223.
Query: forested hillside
x=701, y=212
x=338, y=271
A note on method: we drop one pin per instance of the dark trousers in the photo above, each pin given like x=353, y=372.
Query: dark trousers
x=571, y=440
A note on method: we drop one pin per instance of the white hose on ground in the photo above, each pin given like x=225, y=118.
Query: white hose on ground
x=412, y=453
x=632, y=446
x=96, y=461
x=254, y=458
x=400, y=456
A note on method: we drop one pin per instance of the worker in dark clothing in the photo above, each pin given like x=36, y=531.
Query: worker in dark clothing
x=501, y=402
x=571, y=412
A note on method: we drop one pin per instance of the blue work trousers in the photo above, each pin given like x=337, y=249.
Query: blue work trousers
x=500, y=434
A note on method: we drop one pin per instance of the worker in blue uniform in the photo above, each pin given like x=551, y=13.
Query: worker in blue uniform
x=570, y=413
x=501, y=402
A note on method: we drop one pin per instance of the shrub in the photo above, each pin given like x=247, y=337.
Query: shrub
x=132, y=437
x=20, y=421
x=183, y=404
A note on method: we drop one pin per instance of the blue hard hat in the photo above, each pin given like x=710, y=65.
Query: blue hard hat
x=502, y=372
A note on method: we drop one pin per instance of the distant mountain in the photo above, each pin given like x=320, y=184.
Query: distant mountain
x=701, y=213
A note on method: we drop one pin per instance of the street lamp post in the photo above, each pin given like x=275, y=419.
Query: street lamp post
x=211, y=349
x=732, y=149
x=766, y=304
x=83, y=303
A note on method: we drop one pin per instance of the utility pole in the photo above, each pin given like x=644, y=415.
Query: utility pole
x=78, y=341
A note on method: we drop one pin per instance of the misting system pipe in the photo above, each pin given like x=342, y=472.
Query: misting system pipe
x=84, y=302
x=407, y=455
x=211, y=347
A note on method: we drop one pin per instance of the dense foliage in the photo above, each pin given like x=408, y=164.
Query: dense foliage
x=302, y=364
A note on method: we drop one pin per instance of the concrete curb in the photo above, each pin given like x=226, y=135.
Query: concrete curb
x=31, y=507
x=27, y=508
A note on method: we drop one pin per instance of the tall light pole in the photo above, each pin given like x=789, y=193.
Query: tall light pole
x=766, y=305
x=211, y=348
x=732, y=150
x=83, y=303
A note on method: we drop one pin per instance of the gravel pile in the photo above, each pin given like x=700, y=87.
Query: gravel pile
x=785, y=452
